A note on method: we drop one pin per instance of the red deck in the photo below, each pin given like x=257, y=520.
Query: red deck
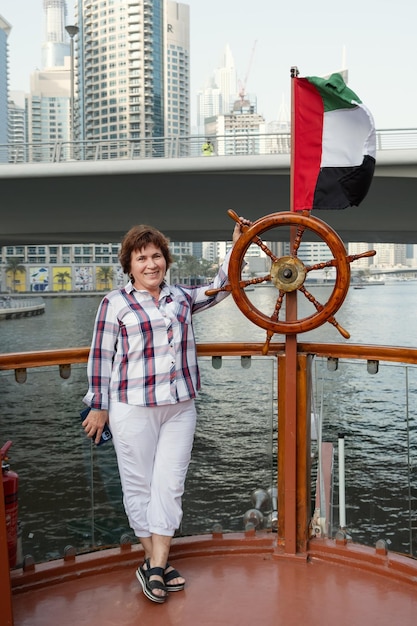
x=237, y=579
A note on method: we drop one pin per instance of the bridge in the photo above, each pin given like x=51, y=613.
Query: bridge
x=397, y=272
x=93, y=192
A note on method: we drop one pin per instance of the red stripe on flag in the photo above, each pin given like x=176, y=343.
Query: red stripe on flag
x=307, y=136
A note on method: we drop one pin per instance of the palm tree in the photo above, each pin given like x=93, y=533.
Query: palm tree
x=192, y=268
x=14, y=265
x=105, y=275
x=61, y=278
x=208, y=269
x=176, y=269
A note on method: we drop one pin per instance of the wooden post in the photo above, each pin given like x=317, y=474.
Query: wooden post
x=294, y=463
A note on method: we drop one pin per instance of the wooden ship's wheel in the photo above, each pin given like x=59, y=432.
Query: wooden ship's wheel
x=288, y=273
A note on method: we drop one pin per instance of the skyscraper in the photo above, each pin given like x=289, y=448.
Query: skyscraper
x=120, y=69
x=177, y=69
x=123, y=92
x=209, y=103
x=48, y=103
x=220, y=92
x=48, y=111
x=5, y=29
x=55, y=47
x=17, y=129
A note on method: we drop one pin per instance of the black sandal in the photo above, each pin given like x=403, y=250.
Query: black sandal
x=143, y=576
x=170, y=576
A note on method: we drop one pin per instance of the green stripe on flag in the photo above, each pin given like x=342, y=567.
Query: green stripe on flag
x=334, y=92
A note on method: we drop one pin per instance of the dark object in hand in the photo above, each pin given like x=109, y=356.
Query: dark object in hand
x=105, y=435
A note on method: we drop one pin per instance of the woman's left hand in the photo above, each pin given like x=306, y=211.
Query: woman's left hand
x=239, y=228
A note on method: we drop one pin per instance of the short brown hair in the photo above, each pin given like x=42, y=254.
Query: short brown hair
x=137, y=238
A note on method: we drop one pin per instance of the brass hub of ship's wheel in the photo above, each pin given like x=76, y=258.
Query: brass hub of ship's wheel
x=288, y=273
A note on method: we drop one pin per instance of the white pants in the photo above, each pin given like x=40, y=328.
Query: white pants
x=153, y=448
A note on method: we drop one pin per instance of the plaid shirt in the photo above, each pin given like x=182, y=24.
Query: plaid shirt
x=143, y=352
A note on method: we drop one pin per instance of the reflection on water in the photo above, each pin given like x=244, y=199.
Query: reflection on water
x=70, y=493
x=67, y=323
x=380, y=314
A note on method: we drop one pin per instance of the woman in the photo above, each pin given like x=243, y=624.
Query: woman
x=143, y=379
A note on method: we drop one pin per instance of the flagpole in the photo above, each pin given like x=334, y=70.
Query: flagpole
x=294, y=73
x=290, y=411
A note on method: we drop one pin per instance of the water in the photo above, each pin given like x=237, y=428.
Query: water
x=70, y=493
x=380, y=314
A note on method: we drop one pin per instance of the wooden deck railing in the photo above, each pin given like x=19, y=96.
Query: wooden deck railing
x=22, y=361
x=364, y=352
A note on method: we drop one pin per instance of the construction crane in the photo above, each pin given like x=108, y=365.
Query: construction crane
x=242, y=86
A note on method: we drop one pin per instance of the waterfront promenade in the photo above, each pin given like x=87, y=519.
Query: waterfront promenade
x=12, y=308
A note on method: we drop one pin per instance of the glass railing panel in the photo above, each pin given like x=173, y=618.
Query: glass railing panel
x=233, y=447
x=377, y=415
x=69, y=490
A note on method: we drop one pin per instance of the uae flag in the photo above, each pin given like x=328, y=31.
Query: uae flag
x=333, y=159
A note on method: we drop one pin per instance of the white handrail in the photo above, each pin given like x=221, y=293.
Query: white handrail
x=239, y=144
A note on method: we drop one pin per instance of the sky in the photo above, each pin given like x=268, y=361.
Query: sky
x=374, y=39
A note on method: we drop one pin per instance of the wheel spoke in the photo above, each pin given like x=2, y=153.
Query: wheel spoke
x=320, y=266
x=265, y=347
x=355, y=257
x=278, y=305
x=297, y=239
x=213, y=292
x=256, y=239
x=256, y=281
x=320, y=307
x=340, y=328
x=265, y=248
x=311, y=298
x=274, y=318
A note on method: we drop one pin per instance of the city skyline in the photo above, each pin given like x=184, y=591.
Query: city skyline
x=377, y=46
x=105, y=27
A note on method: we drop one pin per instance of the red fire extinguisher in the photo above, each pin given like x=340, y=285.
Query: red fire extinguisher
x=10, y=485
